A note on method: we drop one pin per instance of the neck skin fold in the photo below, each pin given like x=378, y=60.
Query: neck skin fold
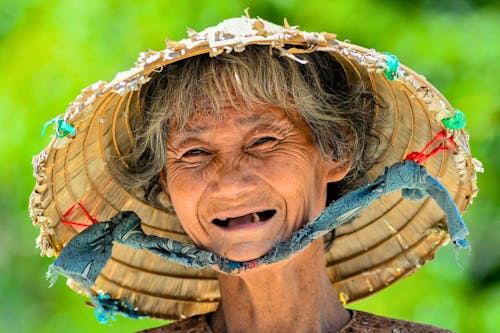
x=294, y=295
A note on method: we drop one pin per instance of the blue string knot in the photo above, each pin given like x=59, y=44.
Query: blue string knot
x=455, y=122
x=107, y=307
x=392, y=66
x=62, y=128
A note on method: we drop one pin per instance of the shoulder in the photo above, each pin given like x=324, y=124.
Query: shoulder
x=361, y=322
x=191, y=324
x=366, y=322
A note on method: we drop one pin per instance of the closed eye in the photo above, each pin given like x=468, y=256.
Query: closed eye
x=195, y=152
x=263, y=140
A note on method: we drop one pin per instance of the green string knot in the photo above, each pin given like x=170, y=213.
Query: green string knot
x=457, y=121
x=62, y=128
x=392, y=66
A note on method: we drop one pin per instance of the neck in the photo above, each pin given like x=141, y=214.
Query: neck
x=293, y=295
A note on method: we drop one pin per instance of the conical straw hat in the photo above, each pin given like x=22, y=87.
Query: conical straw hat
x=386, y=242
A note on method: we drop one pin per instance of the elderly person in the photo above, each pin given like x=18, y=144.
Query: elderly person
x=249, y=151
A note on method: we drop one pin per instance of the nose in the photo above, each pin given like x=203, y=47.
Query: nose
x=233, y=182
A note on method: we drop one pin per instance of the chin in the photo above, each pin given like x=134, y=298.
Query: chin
x=247, y=251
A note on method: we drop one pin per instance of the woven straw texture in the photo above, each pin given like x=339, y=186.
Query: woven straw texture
x=389, y=240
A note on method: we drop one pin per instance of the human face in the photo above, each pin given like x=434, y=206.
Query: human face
x=243, y=181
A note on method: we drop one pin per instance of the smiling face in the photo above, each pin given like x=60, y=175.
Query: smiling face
x=242, y=181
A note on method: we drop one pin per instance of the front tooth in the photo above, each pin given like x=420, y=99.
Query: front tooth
x=255, y=218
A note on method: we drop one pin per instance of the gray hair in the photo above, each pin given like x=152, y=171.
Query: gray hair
x=339, y=113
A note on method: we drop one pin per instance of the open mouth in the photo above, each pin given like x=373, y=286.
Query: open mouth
x=256, y=217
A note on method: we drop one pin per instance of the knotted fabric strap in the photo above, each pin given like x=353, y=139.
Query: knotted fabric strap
x=85, y=255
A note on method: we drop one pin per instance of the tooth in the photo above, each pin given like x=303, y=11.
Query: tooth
x=255, y=218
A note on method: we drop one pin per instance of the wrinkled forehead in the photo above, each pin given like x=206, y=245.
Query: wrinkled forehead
x=244, y=115
x=258, y=120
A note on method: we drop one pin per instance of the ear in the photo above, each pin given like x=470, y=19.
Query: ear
x=163, y=182
x=337, y=171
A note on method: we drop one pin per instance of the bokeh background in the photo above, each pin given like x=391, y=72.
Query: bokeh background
x=50, y=50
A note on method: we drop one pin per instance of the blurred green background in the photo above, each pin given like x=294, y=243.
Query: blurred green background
x=50, y=50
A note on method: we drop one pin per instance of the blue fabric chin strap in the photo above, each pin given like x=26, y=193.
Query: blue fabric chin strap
x=84, y=257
